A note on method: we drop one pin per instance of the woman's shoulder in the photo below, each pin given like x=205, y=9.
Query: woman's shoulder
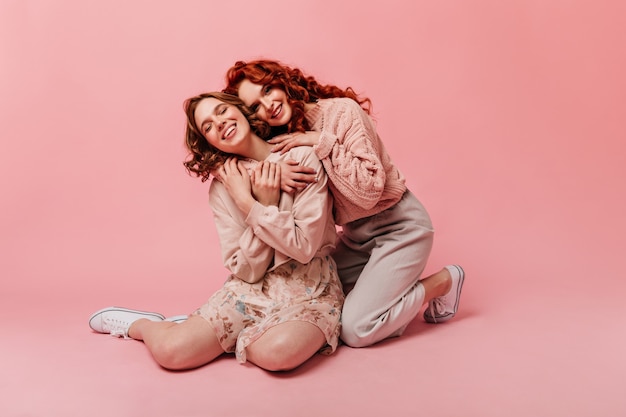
x=338, y=107
x=300, y=153
x=215, y=186
x=339, y=102
x=303, y=154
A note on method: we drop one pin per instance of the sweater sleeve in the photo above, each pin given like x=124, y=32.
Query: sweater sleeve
x=243, y=253
x=297, y=232
x=348, y=150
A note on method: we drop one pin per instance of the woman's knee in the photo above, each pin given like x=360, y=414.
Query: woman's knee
x=352, y=337
x=169, y=354
x=277, y=354
x=286, y=347
x=355, y=325
x=361, y=328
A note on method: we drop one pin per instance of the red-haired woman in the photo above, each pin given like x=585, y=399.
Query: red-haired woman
x=387, y=234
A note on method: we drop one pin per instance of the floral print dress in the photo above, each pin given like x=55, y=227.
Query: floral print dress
x=280, y=262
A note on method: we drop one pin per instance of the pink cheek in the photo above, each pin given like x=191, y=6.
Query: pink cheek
x=265, y=117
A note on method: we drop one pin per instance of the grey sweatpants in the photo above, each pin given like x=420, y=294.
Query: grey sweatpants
x=380, y=260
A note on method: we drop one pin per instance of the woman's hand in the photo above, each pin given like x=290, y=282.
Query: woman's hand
x=237, y=182
x=289, y=140
x=265, y=181
x=295, y=177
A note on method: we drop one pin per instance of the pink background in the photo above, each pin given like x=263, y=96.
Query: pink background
x=506, y=117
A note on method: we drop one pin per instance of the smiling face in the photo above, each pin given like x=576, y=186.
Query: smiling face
x=223, y=126
x=268, y=103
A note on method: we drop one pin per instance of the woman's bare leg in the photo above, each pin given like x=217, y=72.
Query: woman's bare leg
x=436, y=285
x=178, y=346
x=286, y=346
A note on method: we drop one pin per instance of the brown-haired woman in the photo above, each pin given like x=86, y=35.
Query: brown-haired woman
x=282, y=302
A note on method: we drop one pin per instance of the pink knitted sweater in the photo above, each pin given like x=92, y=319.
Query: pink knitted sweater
x=363, y=179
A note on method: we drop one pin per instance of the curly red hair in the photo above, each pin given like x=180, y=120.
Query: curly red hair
x=300, y=88
x=204, y=157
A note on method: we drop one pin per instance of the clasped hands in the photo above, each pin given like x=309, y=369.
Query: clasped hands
x=262, y=184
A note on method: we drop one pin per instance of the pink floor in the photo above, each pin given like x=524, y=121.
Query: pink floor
x=507, y=118
x=515, y=352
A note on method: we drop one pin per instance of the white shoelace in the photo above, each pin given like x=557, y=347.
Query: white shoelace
x=116, y=328
x=437, y=306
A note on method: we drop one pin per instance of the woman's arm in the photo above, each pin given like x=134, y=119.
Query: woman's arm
x=350, y=150
x=243, y=253
x=295, y=176
x=298, y=231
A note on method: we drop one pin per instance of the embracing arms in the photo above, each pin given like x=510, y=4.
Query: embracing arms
x=349, y=147
x=270, y=234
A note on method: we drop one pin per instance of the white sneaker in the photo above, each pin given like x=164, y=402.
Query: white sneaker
x=117, y=320
x=443, y=308
x=177, y=319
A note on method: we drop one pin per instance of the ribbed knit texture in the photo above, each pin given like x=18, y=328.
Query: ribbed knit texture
x=363, y=179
